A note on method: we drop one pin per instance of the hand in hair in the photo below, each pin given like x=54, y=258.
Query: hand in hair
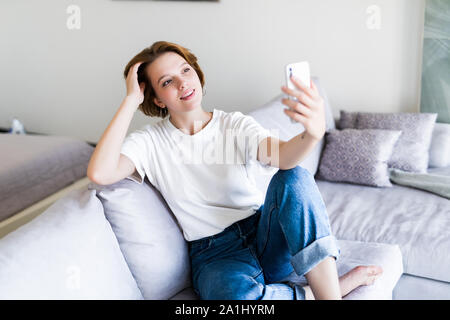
x=135, y=90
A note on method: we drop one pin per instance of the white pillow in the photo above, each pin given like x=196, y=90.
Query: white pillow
x=440, y=146
x=149, y=237
x=67, y=252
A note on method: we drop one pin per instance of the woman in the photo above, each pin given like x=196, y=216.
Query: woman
x=241, y=246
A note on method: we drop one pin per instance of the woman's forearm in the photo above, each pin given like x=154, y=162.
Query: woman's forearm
x=105, y=158
x=295, y=150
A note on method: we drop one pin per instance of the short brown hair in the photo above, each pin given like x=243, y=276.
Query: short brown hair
x=147, y=56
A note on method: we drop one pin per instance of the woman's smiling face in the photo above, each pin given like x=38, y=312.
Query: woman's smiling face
x=173, y=79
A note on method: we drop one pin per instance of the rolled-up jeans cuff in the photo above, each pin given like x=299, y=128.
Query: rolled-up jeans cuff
x=299, y=292
x=306, y=259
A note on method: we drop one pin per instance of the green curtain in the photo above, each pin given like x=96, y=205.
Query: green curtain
x=435, y=96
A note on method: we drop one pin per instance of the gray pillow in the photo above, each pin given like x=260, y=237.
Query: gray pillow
x=347, y=120
x=149, y=237
x=67, y=252
x=440, y=146
x=411, y=150
x=358, y=156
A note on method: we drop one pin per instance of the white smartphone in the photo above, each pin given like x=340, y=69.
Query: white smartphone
x=301, y=71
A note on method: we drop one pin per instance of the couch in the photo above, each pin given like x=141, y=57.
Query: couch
x=122, y=241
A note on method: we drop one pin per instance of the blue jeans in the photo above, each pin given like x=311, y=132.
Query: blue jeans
x=247, y=260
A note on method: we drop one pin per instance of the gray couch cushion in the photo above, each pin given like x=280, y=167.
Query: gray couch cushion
x=67, y=252
x=148, y=235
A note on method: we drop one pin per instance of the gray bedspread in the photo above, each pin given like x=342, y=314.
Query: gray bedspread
x=36, y=166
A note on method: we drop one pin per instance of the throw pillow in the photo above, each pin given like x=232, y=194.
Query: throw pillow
x=347, y=120
x=411, y=150
x=149, y=237
x=440, y=146
x=358, y=156
x=67, y=252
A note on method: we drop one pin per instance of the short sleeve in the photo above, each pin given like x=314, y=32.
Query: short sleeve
x=249, y=128
x=135, y=147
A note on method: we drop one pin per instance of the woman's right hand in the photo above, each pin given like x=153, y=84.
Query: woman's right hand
x=135, y=91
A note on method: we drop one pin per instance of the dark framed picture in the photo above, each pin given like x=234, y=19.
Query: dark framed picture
x=177, y=0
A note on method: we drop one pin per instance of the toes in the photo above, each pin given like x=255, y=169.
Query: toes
x=375, y=270
x=370, y=281
x=369, y=270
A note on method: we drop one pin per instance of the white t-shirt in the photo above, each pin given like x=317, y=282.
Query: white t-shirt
x=205, y=178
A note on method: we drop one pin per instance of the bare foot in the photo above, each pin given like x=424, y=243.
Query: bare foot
x=359, y=276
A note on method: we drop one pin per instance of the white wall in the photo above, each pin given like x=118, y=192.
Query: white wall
x=69, y=82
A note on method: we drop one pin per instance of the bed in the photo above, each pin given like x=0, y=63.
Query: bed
x=36, y=171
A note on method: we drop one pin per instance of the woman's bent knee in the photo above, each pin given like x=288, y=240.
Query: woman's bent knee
x=294, y=175
x=297, y=184
x=298, y=198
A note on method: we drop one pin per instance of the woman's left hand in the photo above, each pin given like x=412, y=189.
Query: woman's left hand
x=309, y=109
